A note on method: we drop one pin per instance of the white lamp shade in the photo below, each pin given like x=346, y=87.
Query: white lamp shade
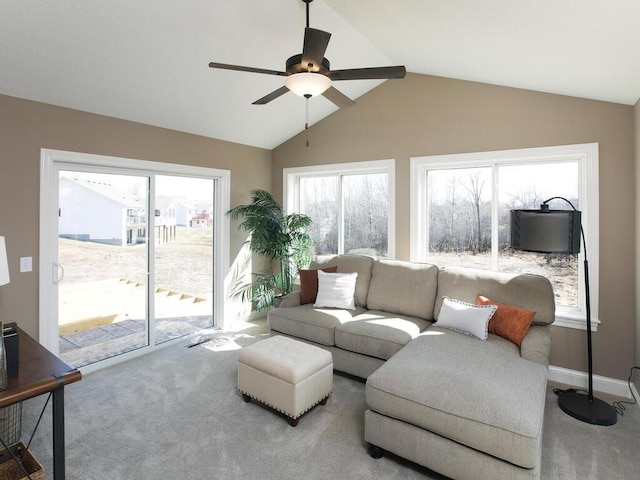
x=4, y=264
x=307, y=84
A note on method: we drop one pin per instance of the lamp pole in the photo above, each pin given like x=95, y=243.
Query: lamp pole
x=586, y=408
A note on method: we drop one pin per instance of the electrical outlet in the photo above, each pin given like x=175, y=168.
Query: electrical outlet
x=26, y=264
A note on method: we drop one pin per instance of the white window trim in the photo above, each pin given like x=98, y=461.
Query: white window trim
x=290, y=187
x=51, y=160
x=587, y=157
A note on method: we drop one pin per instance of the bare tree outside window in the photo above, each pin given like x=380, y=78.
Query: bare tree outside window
x=460, y=219
x=366, y=198
x=319, y=199
x=526, y=187
x=348, y=210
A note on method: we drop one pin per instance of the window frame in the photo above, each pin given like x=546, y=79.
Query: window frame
x=586, y=155
x=291, y=189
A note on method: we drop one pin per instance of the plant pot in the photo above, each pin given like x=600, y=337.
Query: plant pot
x=277, y=301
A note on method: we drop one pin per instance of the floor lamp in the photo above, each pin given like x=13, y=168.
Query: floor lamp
x=560, y=231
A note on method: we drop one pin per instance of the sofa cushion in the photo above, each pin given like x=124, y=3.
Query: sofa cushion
x=315, y=324
x=336, y=290
x=465, y=317
x=350, y=263
x=509, y=322
x=480, y=394
x=309, y=284
x=406, y=288
x=378, y=334
x=531, y=292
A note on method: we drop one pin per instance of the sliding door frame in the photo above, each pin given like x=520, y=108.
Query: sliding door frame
x=52, y=161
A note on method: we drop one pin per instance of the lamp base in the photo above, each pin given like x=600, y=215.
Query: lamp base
x=594, y=411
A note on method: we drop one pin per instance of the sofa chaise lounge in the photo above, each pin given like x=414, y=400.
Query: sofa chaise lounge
x=463, y=407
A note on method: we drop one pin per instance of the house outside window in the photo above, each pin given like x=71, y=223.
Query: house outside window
x=350, y=204
x=461, y=215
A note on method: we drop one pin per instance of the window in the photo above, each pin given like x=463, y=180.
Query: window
x=350, y=204
x=461, y=206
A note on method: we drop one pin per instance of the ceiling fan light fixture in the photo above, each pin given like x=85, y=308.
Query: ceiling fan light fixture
x=308, y=74
x=307, y=84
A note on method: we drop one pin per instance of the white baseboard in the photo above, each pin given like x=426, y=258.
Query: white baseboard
x=574, y=378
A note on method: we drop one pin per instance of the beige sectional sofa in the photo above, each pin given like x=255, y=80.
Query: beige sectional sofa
x=463, y=407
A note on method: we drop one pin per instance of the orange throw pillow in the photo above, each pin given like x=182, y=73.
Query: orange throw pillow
x=309, y=284
x=508, y=322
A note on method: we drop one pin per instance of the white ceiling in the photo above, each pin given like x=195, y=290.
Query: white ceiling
x=147, y=60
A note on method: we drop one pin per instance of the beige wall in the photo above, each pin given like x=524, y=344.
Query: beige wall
x=424, y=115
x=26, y=127
x=420, y=115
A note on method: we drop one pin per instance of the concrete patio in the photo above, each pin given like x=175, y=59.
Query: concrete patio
x=105, y=318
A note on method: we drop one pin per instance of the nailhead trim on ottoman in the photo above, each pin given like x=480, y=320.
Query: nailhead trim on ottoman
x=288, y=375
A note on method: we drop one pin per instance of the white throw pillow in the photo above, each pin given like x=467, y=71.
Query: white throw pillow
x=336, y=290
x=466, y=317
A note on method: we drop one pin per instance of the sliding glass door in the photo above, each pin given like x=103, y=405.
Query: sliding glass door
x=133, y=256
x=103, y=257
x=183, y=273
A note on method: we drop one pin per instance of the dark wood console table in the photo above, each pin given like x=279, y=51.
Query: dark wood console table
x=40, y=371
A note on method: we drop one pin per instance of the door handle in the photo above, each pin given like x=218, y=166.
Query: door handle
x=55, y=278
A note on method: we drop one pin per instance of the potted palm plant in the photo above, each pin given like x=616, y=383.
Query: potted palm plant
x=281, y=238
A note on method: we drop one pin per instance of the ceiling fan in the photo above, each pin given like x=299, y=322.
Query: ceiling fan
x=308, y=74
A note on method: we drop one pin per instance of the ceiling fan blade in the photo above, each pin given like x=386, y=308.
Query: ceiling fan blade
x=272, y=96
x=225, y=66
x=315, y=44
x=372, y=73
x=338, y=98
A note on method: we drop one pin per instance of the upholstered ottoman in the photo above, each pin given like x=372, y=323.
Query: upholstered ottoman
x=285, y=374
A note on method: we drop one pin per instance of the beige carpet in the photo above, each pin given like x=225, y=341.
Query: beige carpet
x=176, y=414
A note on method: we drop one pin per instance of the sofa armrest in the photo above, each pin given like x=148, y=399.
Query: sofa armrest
x=536, y=344
x=290, y=300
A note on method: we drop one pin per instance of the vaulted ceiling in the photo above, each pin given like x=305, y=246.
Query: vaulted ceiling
x=147, y=60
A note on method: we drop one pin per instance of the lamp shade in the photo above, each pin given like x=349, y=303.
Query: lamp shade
x=307, y=84
x=4, y=264
x=546, y=231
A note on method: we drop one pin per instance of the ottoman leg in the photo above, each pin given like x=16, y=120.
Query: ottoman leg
x=246, y=397
x=324, y=401
x=293, y=421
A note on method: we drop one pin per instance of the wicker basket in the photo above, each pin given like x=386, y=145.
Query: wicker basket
x=11, y=424
x=8, y=466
